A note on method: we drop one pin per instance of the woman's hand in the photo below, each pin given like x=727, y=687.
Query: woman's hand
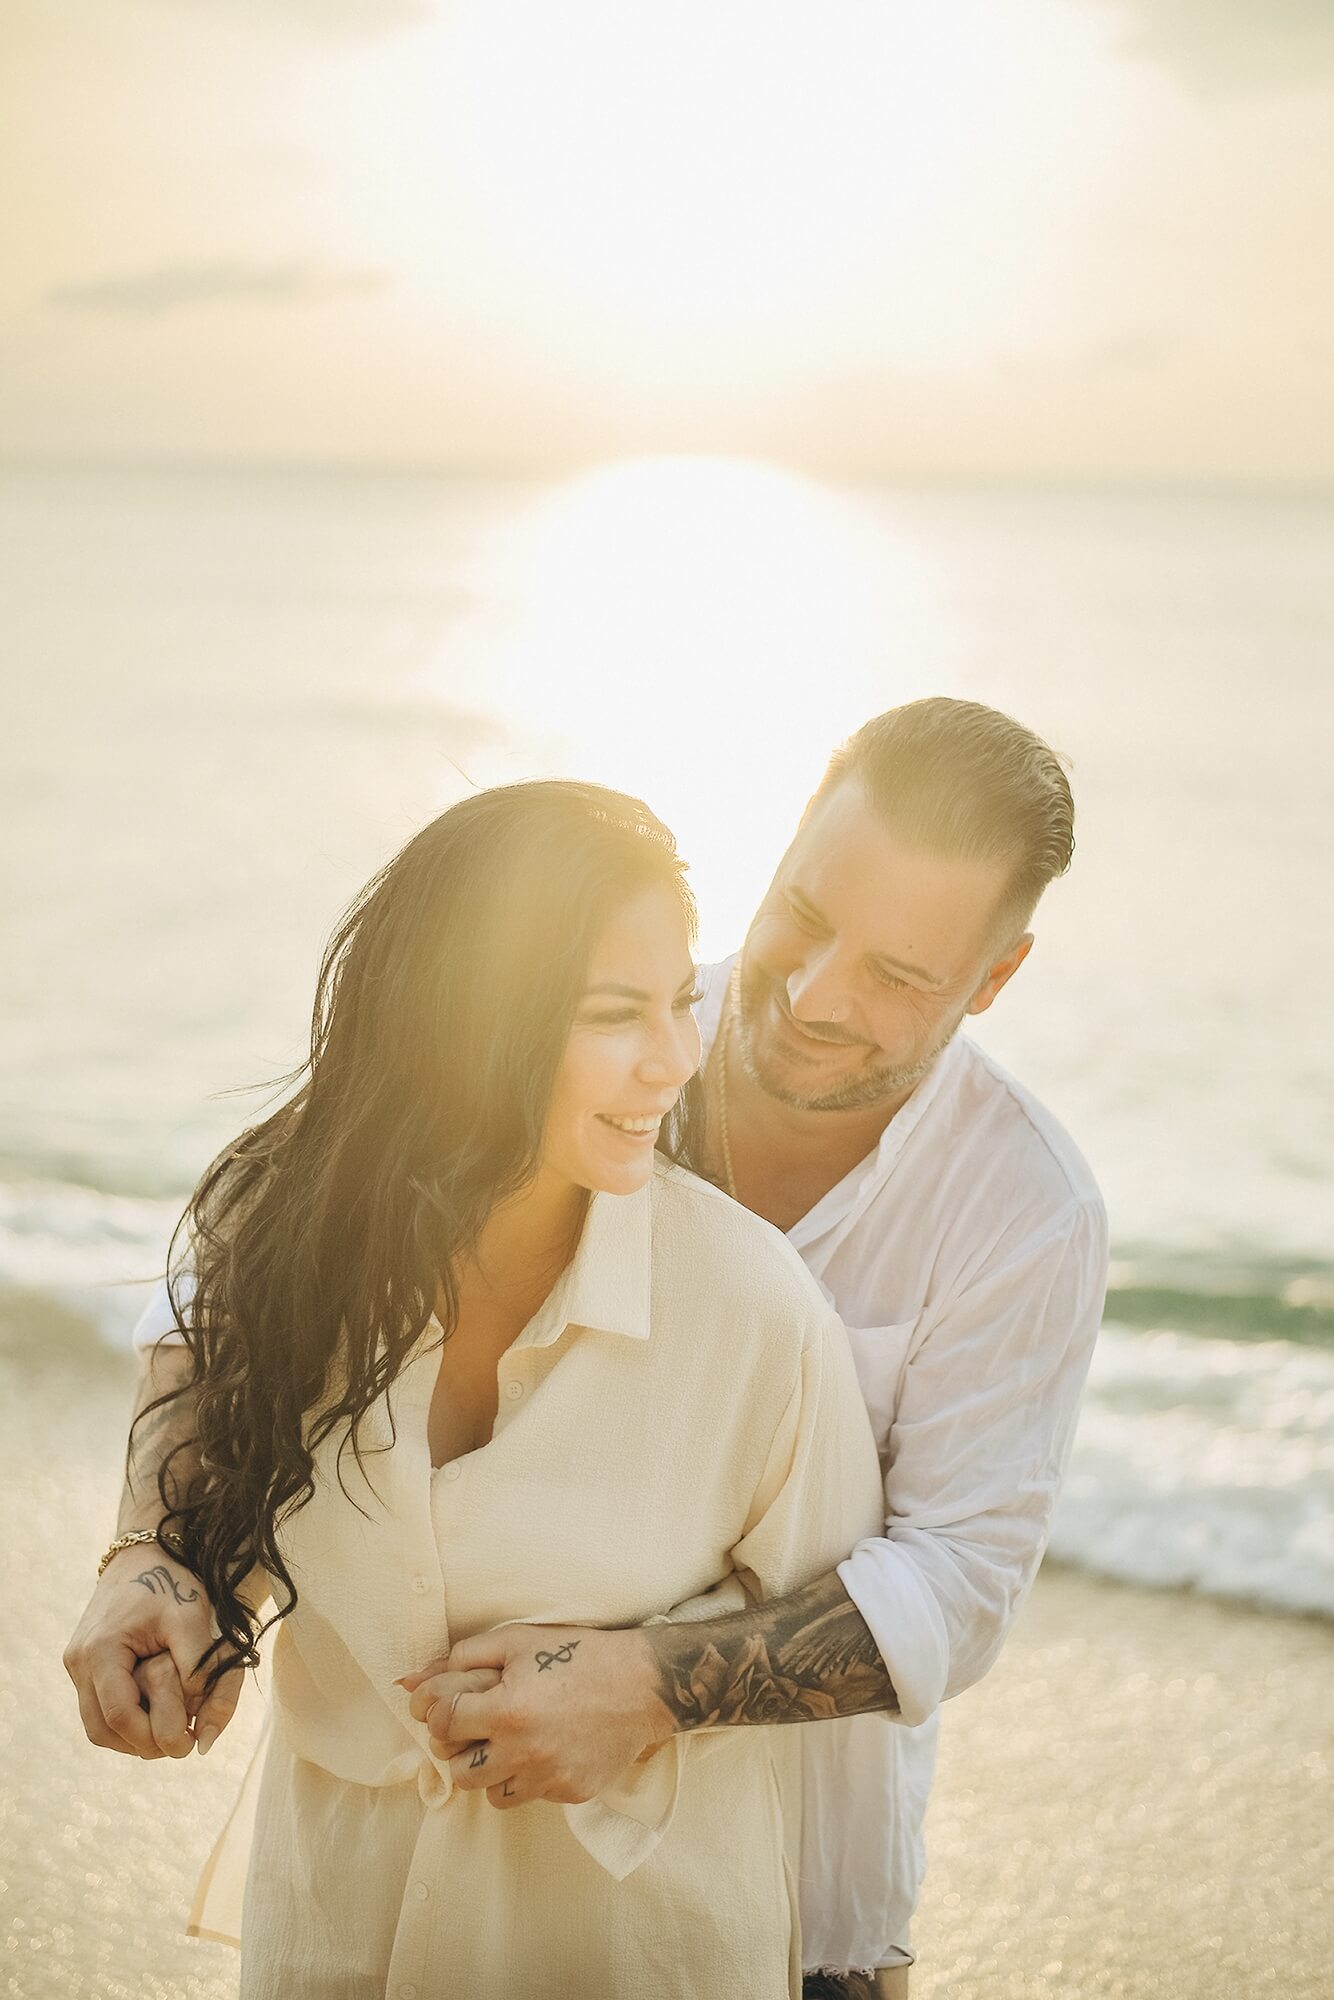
x=162, y=1699
x=562, y=1712
x=435, y=1690
x=145, y=1627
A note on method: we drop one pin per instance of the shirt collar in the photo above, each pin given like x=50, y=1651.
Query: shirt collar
x=607, y=1285
x=937, y=1079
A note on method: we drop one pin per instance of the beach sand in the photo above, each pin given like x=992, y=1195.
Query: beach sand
x=1135, y=1802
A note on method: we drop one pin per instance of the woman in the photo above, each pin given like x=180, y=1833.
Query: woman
x=468, y=1348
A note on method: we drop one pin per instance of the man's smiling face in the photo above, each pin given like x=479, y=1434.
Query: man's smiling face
x=864, y=957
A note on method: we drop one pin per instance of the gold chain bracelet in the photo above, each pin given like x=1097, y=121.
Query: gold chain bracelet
x=128, y=1542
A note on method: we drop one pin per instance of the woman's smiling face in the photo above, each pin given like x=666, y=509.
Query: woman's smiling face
x=632, y=1049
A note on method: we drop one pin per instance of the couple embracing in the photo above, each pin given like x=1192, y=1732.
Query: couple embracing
x=596, y=1369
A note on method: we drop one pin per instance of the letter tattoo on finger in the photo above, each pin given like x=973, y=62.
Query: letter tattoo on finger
x=478, y=1757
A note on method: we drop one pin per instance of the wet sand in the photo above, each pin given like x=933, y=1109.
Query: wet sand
x=1135, y=1803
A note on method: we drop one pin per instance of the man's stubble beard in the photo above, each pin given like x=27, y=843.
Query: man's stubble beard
x=858, y=1092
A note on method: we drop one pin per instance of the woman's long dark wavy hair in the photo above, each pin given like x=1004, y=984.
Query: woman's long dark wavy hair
x=333, y=1228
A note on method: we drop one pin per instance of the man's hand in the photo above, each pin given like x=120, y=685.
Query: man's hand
x=560, y=1712
x=575, y=1705
x=132, y=1660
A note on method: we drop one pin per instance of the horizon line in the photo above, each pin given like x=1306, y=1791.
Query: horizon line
x=565, y=466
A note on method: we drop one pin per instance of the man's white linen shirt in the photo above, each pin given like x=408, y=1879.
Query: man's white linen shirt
x=967, y=1257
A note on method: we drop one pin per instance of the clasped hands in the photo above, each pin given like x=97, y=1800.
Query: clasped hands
x=530, y=1712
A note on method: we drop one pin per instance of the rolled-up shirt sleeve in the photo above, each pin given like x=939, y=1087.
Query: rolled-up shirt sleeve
x=979, y=1445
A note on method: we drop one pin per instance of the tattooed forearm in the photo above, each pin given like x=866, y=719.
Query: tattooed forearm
x=161, y=1580
x=804, y=1658
x=155, y=1437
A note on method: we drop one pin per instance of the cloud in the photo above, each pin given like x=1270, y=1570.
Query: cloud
x=1235, y=46
x=171, y=287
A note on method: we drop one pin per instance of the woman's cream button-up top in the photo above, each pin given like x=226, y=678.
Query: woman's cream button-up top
x=679, y=1427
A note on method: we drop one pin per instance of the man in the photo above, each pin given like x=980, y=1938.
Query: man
x=963, y=1241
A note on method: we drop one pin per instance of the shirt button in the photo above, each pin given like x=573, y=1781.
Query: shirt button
x=421, y=1584
x=407, y=1991
x=514, y=1390
x=452, y=1471
x=421, y=1892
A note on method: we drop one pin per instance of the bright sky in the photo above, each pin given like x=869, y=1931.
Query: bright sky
x=995, y=238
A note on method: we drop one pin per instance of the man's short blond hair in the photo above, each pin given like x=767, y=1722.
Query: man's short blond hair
x=963, y=781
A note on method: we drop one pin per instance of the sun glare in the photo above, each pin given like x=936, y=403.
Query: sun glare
x=701, y=632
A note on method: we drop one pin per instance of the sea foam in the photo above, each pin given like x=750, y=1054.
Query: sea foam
x=99, y=1255
x=1206, y=1463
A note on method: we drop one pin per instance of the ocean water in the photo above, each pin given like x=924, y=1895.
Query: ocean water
x=225, y=698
